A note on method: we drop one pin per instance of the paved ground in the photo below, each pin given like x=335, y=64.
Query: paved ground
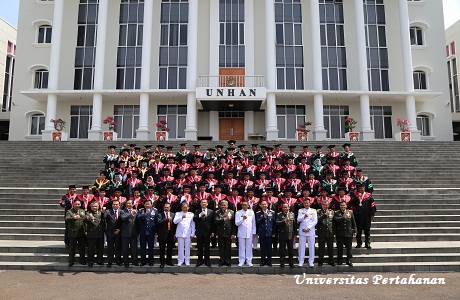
x=55, y=285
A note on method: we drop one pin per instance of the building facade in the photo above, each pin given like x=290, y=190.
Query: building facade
x=7, y=62
x=453, y=40
x=231, y=69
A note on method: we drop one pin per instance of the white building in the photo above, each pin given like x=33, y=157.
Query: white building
x=453, y=39
x=7, y=61
x=236, y=69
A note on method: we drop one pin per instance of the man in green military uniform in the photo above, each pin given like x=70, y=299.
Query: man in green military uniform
x=345, y=229
x=75, y=222
x=225, y=230
x=286, y=228
x=324, y=230
x=94, y=234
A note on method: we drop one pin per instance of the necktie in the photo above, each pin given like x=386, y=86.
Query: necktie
x=169, y=223
x=116, y=215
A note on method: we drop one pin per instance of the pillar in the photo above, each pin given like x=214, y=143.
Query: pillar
x=191, y=131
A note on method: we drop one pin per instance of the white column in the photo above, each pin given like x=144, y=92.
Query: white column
x=248, y=123
x=94, y=134
x=214, y=125
x=408, y=70
x=143, y=130
x=53, y=79
x=213, y=37
x=319, y=133
x=249, y=37
x=271, y=129
x=367, y=132
x=270, y=118
x=191, y=132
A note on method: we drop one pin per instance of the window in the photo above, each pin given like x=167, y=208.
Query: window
x=453, y=85
x=80, y=121
x=381, y=121
x=420, y=80
x=231, y=42
x=423, y=124
x=85, y=54
x=129, y=58
x=41, y=79
x=289, y=117
x=37, y=123
x=333, y=52
x=127, y=119
x=8, y=84
x=377, y=51
x=44, y=34
x=289, y=45
x=334, y=120
x=416, y=36
x=173, y=45
x=175, y=116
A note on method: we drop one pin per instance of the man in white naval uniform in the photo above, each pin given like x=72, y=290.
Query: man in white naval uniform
x=307, y=218
x=246, y=222
x=185, y=231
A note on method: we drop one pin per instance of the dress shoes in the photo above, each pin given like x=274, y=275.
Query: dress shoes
x=250, y=265
x=90, y=264
x=71, y=264
x=281, y=265
x=358, y=246
x=100, y=263
x=291, y=265
x=198, y=264
x=207, y=264
x=320, y=264
x=126, y=265
x=229, y=265
x=220, y=265
x=368, y=246
x=171, y=264
x=350, y=263
x=109, y=265
x=339, y=263
x=332, y=264
x=150, y=264
x=83, y=263
x=262, y=264
x=143, y=264
x=162, y=265
x=119, y=264
x=269, y=264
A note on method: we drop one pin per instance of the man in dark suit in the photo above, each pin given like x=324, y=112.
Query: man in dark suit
x=94, y=234
x=225, y=230
x=129, y=231
x=265, y=220
x=203, y=226
x=286, y=227
x=345, y=229
x=112, y=232
x=165, y=230
x=147, y=218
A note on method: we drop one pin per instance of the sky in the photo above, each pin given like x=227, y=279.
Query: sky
x=9, y=11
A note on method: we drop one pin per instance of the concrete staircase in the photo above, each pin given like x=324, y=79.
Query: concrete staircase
x=416, y=189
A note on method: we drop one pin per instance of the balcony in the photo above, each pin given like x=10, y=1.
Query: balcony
x=230, y=81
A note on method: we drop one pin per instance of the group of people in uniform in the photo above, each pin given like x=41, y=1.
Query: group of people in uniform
x=261, y=198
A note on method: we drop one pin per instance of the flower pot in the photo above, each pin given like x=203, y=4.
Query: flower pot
x=302, y=136
x=352, y=136
x=403, y=136
x=110, y=136
x=59, y=136
x=161, y=135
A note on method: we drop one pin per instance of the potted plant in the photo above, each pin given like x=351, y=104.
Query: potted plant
x=162, y=130
x=404, y=134
x=110, y=135
x=351, y=135
x=302, y=131
x=59, y=125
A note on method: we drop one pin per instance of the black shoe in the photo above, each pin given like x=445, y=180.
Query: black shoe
x=332, y=264
x=339, y=263
x=262, y=264
x=90, y=264
x=143, y=264
x=71, y=264
x=83, y=263
x=368, y=246
x=208, y=264
x=109, y=265
x=126, y=265
x=67, y=246
x=162, y=265
x=291, y=265
x=119, y=264
x=320, y=264
x=171, y=264
x=358, y=246
x=136, y=264
x=220, y=265
x=281, y=265
x=229, y=265
x=198, y=264
x=350, y=263
x=150, y=264
x=269, y=264
x=100, y=263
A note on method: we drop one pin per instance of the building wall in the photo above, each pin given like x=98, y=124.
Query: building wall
x=7, y=34
x=430, y=56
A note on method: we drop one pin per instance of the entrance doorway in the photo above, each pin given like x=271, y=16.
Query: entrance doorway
x=231, y=129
